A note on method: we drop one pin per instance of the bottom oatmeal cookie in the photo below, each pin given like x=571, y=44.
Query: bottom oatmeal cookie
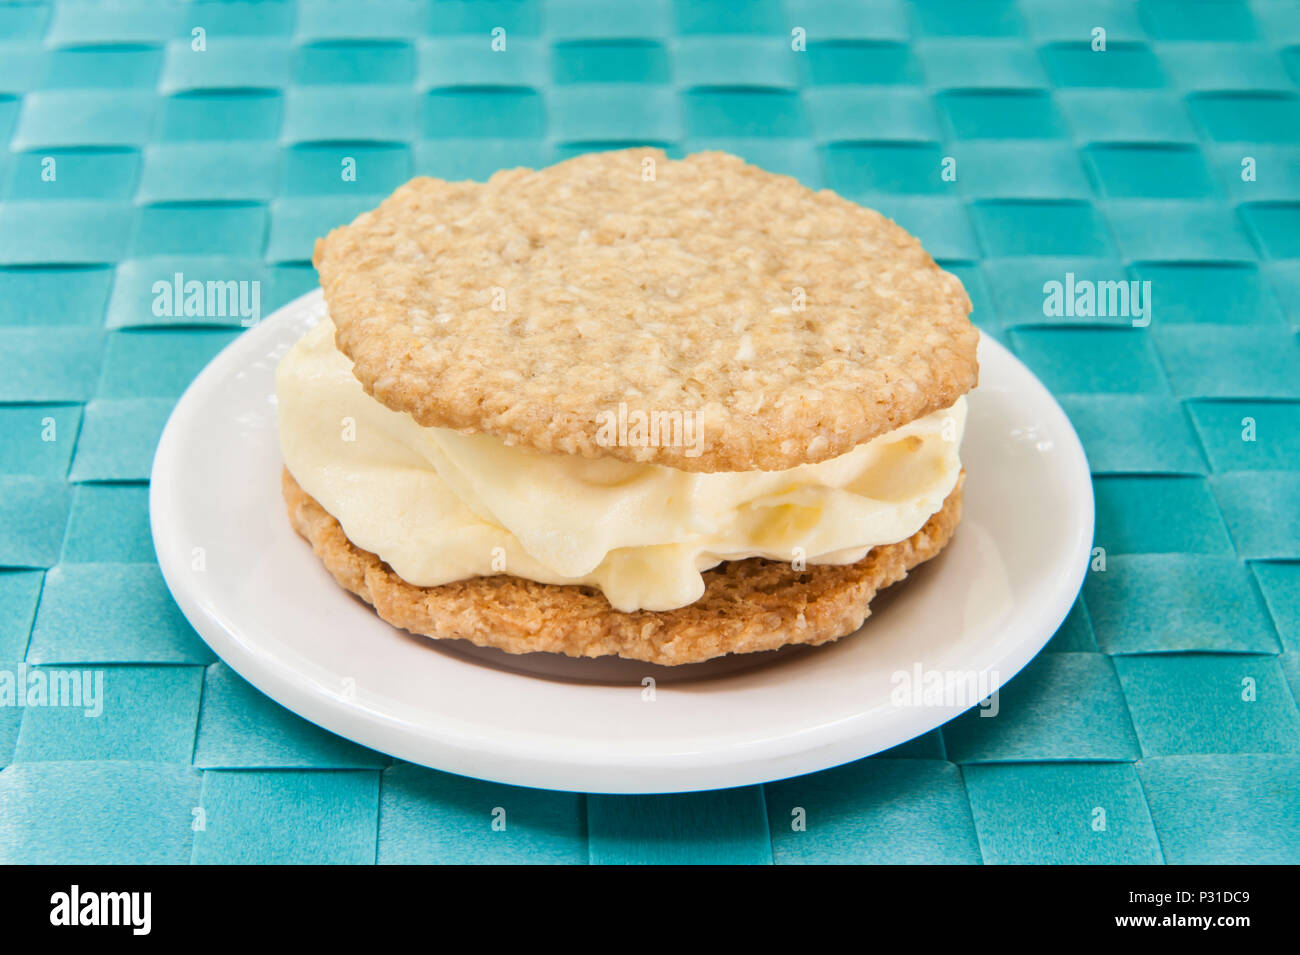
x=748, y=605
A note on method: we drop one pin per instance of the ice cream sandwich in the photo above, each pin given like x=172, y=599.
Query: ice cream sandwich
x=627, y=405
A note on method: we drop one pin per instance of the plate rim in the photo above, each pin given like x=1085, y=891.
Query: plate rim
x=499, y=758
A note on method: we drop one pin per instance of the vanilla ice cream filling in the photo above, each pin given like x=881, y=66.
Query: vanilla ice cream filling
x=440, y=506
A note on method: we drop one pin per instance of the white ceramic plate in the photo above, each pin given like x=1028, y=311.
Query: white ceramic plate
x=266, y=606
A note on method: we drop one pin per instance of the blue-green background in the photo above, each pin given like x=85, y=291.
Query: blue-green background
x=225, y=164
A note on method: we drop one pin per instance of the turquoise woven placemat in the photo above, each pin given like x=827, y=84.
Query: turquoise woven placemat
x=147, y=139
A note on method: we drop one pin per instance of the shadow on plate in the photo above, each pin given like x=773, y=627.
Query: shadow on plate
x=612, y=671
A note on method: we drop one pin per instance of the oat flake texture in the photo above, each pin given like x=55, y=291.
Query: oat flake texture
x=533, y=305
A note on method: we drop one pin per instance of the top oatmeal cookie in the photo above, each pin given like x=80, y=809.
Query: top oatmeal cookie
x=701, y=314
